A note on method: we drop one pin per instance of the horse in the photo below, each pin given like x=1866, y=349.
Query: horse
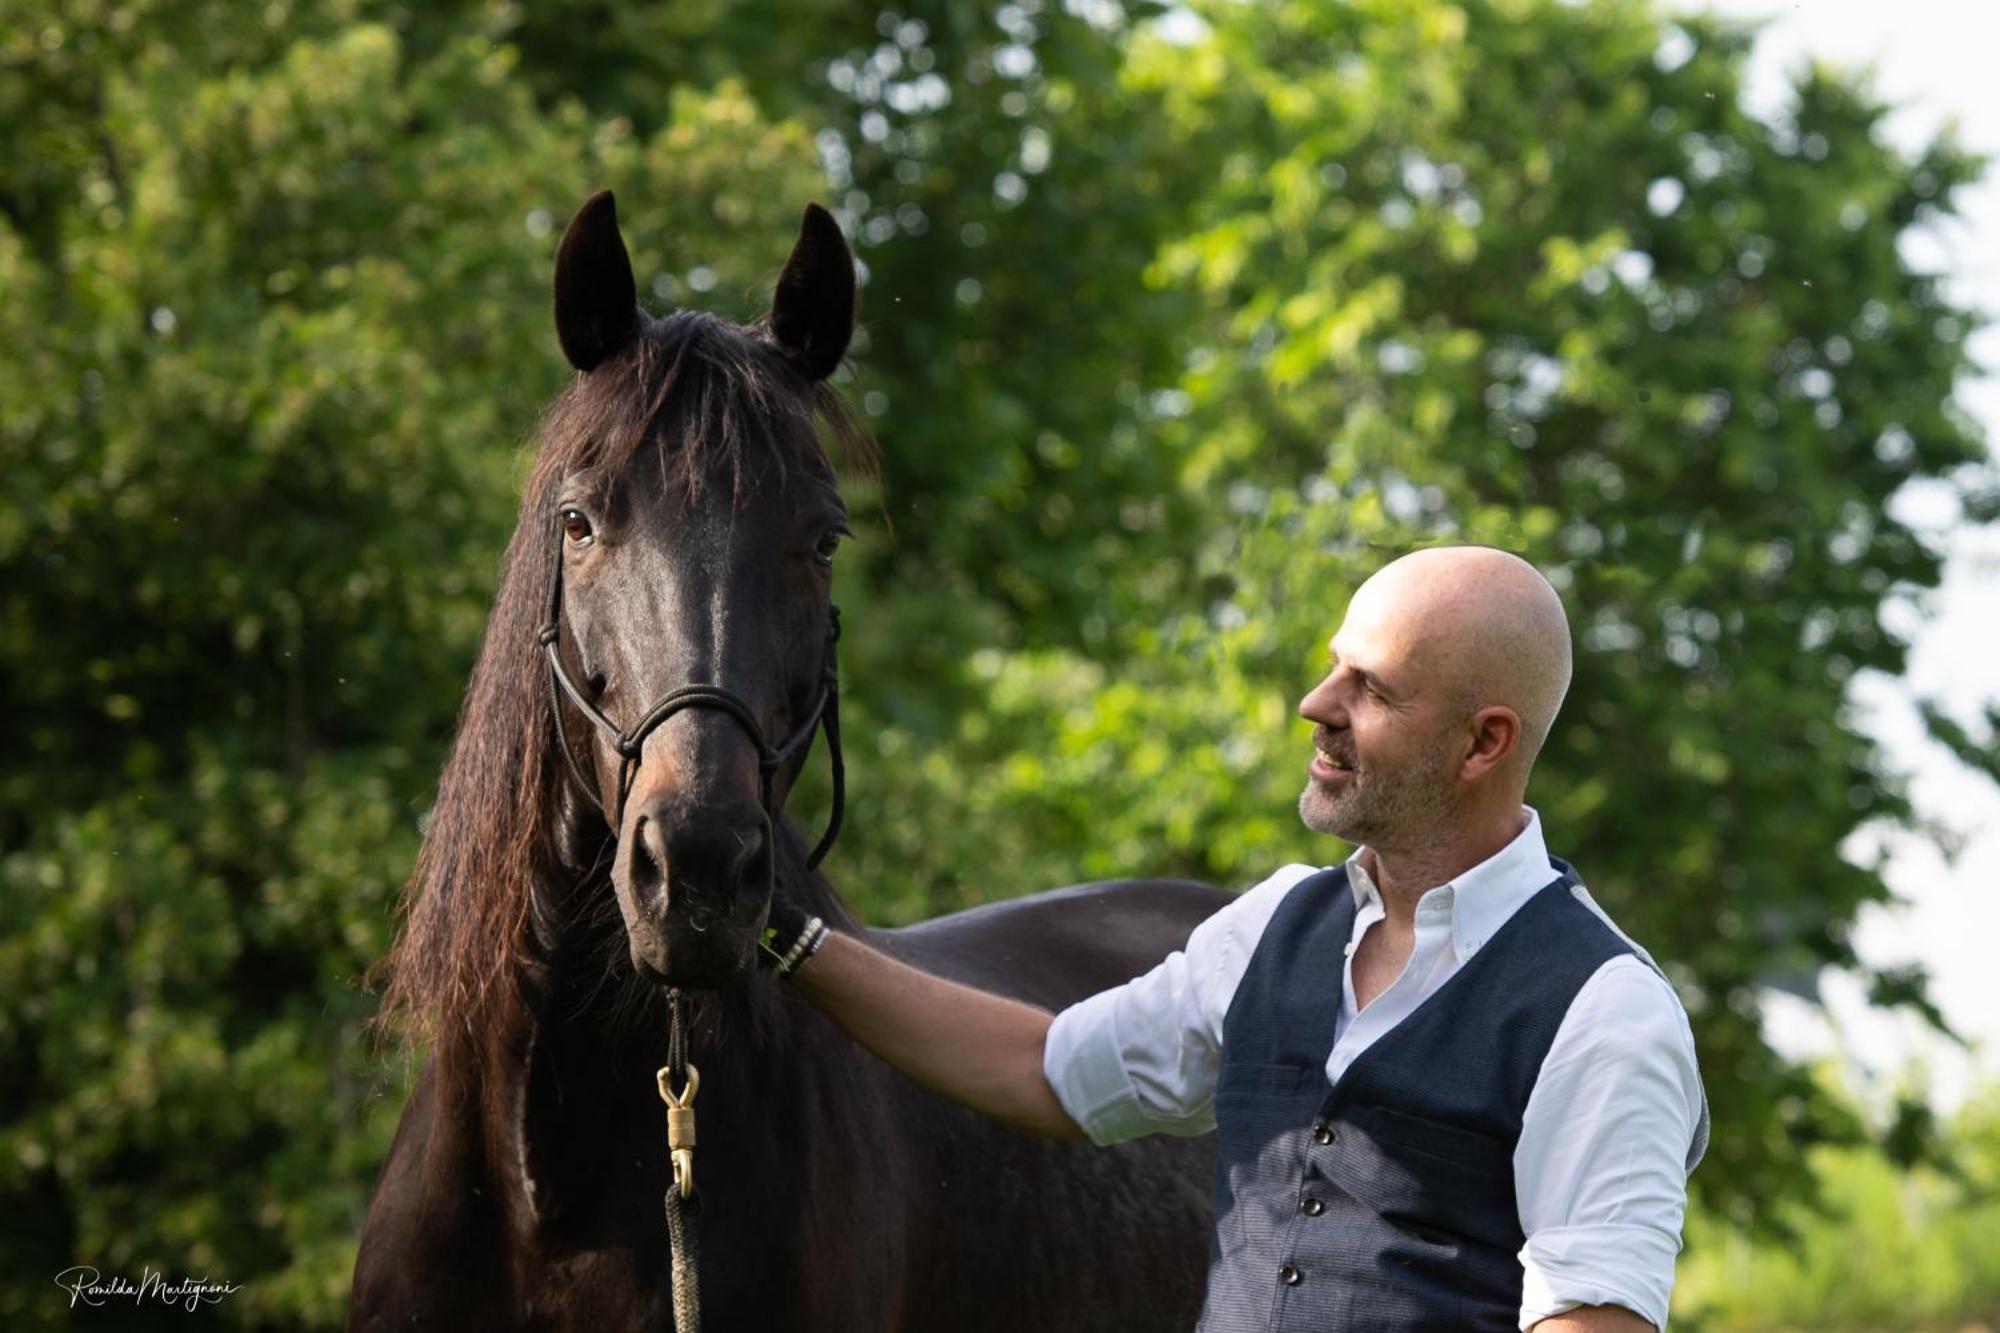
x=675, y=542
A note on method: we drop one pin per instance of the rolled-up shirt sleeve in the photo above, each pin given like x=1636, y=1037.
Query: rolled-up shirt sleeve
x=1141, y=1058
x=1601, y=1166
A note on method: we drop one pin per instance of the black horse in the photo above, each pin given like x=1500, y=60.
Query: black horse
x=679, y=528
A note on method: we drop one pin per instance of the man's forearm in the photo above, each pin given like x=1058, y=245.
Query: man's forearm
x=981, y=1049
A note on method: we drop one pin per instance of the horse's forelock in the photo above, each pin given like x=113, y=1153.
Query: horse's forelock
x=712, y=399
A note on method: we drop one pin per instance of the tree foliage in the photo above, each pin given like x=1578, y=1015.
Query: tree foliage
x=1890, y=1250
x=1172, y=332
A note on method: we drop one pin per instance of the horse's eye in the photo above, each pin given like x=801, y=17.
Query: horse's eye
x=576, y=527
x=827, y=546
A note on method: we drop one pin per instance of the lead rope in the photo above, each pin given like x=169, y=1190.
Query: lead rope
x=682, y=1203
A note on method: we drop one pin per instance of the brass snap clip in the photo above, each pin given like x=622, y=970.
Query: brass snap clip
x=680, y=1124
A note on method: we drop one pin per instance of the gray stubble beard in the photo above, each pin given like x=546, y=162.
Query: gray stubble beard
x=1372, y=813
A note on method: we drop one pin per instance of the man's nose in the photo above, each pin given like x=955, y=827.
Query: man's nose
x=1322, y=703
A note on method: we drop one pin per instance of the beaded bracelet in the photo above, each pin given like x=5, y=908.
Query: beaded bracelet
x=804, y=947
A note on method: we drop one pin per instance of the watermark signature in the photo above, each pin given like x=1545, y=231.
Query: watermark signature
x=91, y=1287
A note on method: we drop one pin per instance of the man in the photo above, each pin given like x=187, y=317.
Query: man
x=1448, y=1092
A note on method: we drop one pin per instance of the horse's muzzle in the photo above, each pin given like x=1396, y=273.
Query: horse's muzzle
x=694, y=887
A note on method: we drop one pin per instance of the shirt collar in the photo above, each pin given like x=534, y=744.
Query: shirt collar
x=1483, y=898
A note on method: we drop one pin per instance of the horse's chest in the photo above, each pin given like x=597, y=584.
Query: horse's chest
x=621, y=1279
x=593, y=1290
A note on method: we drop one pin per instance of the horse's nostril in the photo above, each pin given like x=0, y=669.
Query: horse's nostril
x=751, y=843
x=646, y=869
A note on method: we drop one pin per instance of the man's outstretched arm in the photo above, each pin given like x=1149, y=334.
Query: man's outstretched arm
x=981, y=1049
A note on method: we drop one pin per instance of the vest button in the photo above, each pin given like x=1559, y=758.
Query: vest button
x=1312, y=1207
x=1322, y=1133
x=1290, y=1276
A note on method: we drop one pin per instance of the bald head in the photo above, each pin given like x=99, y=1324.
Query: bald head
x=1479, y=624
x=1445, y=678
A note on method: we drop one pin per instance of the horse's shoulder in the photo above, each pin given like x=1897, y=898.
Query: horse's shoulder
x=429, y=1226
x=1057, y=946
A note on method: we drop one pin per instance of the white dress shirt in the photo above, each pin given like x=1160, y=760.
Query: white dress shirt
x=1607, y=1138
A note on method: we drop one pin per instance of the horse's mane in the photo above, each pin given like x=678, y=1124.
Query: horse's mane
x=714, y=400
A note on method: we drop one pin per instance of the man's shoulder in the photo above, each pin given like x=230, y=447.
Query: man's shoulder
x=1261, y=899
x=1587, y=911
x=1222, y=945
x=1627, y=1008
x=1582, y=959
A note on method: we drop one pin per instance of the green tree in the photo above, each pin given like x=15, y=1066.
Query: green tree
x=1169, y=343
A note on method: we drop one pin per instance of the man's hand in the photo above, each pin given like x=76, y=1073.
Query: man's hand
x=790, y=936
x=1595, y=1319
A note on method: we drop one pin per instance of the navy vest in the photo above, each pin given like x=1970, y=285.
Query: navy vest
x=1385, y=1202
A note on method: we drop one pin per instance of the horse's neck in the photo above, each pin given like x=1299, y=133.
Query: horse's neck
x=566, y=1086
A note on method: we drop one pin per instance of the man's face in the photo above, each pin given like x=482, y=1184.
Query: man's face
x=1383, y=768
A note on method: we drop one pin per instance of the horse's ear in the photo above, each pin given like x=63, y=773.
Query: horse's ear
x=812, y=312
x=597, y=304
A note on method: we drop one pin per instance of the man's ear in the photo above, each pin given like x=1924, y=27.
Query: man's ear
x=1494, y=734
